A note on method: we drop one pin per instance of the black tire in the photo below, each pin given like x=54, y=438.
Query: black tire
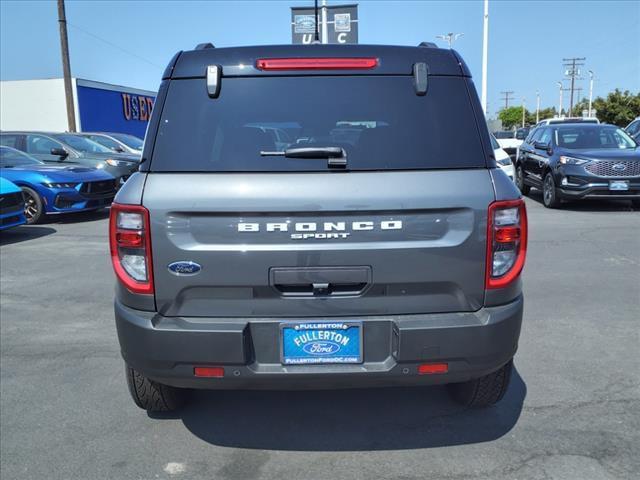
x=484, y=391
x=550, y=197
x=153, y=396
x=33, y=206
x=524, y=189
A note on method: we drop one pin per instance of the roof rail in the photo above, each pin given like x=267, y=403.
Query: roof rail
x=203, y=46
x=428, y=45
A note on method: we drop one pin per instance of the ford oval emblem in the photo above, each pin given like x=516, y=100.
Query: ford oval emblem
x=619, y=167
x=184, y=268
x=321, y=348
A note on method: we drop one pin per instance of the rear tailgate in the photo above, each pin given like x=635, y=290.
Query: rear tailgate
x=420, y=238
x=401, y=229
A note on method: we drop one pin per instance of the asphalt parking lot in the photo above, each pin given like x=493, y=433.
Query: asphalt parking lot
x=572, y=412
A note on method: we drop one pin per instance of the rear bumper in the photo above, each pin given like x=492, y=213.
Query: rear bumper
x=166, y=349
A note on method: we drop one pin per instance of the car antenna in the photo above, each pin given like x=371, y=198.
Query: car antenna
x=317, y=29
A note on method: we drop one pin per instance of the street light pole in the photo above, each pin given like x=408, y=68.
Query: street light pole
x=485, y=53
x=523, y=111
x=560, y=103
x=590, y=90
x=325, y=29
x=537, y=106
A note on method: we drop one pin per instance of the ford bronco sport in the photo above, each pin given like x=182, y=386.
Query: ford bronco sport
x=317, y=216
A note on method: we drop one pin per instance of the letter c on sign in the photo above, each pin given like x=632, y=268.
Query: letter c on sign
x=342, y=38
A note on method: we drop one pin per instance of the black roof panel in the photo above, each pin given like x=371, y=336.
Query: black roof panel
x=393, y=60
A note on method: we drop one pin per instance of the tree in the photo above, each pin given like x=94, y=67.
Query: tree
x=511, y=117
x=548, y=112
x=619, y=108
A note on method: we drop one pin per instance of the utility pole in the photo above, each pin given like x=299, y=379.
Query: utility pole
x=450, y=38
x=572, y=72
x=537, y=106
x=590, y=90
x=66, y=66
x=506, y=98
x=560, y=102
x=485, y=53
x=523, y=111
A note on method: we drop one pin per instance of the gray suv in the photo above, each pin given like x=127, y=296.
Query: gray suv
x=317, y=216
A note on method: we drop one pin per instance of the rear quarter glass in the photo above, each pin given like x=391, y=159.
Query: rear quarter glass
x=379, y=121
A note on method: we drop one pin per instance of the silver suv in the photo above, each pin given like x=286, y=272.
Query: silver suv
x=317, y=217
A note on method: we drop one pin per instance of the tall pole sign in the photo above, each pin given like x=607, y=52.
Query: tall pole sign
x=338, y=24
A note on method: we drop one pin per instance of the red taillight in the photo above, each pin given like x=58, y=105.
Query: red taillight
x=210, y=372
x=320, y=63
x=129, y=239
x=506, y=242
x=432, y=368
x=130, y=243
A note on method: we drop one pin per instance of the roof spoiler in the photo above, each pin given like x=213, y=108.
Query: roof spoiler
x=427, y=45
x=203, y=46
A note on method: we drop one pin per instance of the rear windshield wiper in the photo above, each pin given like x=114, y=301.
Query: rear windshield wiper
x=336, y=156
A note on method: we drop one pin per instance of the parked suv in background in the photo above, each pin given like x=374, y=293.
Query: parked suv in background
x=387, y=257
x=581, y=160
x=633, y=129
x=69, y=148
x=565, y=120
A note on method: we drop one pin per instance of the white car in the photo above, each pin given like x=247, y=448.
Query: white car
x=508, y=142
x=503, y=159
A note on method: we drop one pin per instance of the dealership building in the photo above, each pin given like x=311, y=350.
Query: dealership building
x=40, y=105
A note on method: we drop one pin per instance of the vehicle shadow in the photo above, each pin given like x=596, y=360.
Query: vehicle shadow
x=24, y=233
x=347, y=420
x=590, y=204
x=78, y=217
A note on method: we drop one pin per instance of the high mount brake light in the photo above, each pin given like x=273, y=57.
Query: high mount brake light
x=316, y=63
x=506, y=242
x=130, y=244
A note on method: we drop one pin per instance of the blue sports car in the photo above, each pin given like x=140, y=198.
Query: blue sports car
x=50, y=189
x=11, y=205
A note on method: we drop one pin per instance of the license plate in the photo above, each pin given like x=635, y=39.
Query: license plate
x=308, y=343
x=620, y=185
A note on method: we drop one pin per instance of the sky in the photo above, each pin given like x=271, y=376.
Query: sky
x=130, y=42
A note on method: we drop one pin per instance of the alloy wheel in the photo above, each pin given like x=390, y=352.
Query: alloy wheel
x=30, y=207
x=547, y=190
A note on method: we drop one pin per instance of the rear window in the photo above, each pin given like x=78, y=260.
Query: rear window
x=378, y=120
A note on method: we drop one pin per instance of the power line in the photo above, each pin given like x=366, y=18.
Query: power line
x=572, y=72
x=118, y=47
x=506, y=98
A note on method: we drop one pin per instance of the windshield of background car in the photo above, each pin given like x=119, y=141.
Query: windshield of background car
x=579, y=138
x=129, y=140
x=13, y=158
x=82, y=144
x=378, y=120
x=505, y=134
x=522, y=133
x=107, y=142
